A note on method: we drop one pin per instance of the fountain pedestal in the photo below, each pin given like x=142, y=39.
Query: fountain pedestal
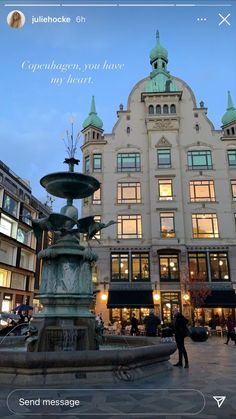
x=66, y=321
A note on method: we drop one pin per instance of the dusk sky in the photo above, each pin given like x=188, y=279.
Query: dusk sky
x=34, y=113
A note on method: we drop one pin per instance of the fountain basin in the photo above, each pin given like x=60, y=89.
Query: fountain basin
x=30, y=368
x=69, y=185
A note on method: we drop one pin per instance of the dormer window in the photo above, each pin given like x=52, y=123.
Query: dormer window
x=165, y=109
x=151, y=110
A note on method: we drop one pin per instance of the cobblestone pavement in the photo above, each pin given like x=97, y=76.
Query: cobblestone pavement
x=179, y=393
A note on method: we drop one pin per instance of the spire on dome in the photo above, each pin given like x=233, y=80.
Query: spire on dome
x=93, y=118
x=230, y=114
x=158, y=51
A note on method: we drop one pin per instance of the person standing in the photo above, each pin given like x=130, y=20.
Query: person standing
x=134, y=325
x=230, y=329
x=151, y=322
x=181, y=331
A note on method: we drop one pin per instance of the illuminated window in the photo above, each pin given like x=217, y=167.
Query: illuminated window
x=140, y=267
x=231, y=158
x=164, y=158
x=167, y=224
x=97, y=162
x=4, y=278
x=7, y=226
x=129, y=193
x=97, y=197
x=219, y=267
x=202, y=190
x=233, y=188
x=169, y=267
x=198, y=160
x=129, y=227
x=198, y=266
x=128, y=162
x=119, y=266
x=165, y=189
x=205, y=226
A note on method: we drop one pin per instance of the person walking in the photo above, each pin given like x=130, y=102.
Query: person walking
x=230, y=329
x=134, y=325
x=181, y=331
x=151, y=322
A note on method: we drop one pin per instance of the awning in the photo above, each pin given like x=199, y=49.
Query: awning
x=132, y=299
x=224, y=299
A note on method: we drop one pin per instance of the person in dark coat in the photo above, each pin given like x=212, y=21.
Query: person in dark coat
x=230, y=330
x=134, y=325
x=181, y=331
x=151, y=322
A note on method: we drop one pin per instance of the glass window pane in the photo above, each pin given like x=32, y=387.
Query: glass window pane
x=165, y=190
x=10, y=205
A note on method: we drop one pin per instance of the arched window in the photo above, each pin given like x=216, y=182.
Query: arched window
x=155, y=65
x=172, y=109
x=228, y=131
x=232, y=131
x=151, y=109
x=163, y=65
x=93, y=135
x=165, y=109
x=197, y=127
x=128, y=130
x=158, y=109
x=97, y=135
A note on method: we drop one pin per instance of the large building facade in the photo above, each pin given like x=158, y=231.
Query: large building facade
x=19, y=266
x=168, y=178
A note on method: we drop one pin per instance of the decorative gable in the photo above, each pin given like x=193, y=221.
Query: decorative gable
x=163, y=142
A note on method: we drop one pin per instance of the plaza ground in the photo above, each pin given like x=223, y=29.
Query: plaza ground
x=212, y=372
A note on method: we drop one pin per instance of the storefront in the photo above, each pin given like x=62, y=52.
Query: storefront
x=169, y=302
x=123, y=304
x=218, y=306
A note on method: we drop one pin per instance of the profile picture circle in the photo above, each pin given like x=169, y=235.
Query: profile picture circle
x=16, y=19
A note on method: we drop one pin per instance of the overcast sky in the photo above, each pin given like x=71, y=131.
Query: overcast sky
x=35, y=113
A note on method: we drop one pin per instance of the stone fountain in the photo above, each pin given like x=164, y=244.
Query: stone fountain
x=64, y=342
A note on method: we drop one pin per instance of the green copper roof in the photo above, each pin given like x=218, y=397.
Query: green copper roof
x=158, y=51
x=93, y=118
x=161, y=83
x=230, y=114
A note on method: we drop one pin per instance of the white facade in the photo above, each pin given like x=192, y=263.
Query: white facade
x=185, y=128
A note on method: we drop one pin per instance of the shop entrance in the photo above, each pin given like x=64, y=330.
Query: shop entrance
x=169, y=302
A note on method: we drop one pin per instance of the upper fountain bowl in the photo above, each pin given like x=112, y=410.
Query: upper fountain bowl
x=70, y=185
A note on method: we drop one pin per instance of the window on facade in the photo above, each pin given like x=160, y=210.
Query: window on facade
x=167, y=224
x=129, y=227
x=87, y=164
x=23, y=236
x=232, y=131
x=165, y=189
x=219, y=267
x=119, y=266
x=18, y=281
x=233, y=188
x=128, y=162
x=169, y=267
x=202, y=190
x=164, y=158
x=27, y=260
x=10, y=205
x=4, y=278
x=98, y=234
x=6, y=226
x=158, y=109
x=97, y=162
x=97, y=197
x=198, y=266
x=199, y=160
x=231, y=158
x=140, y=267
x=172, y=109
x=151, y=109
x=128, y=193
x=26, y=216
x=165, y=109
x=205, y=226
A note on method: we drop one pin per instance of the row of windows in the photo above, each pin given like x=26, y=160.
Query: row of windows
x=158, y=109
x=14, y=208
x=130, y=192
x=131, y=162
x=130, y=226
x=11, y=229
x=203, y=266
